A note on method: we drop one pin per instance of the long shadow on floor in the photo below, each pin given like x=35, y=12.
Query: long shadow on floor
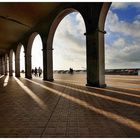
x=126, y=116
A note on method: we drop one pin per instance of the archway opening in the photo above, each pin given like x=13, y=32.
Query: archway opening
x=122, y=49
x=69, y=49
x=37, y=57
x=13, y=63
x=22, y=60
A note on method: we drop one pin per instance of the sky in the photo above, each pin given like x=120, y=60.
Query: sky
x=22, y=58
x=37, y=54
x=69, y=43
x=122, y=49
x=122, y=41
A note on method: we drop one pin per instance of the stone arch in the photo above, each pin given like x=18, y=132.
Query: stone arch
x=103, y=14
x=101, y=24
x=30, y=43
x=17, y=60
x=28, y=60
x=55, y=24
x=49, y=46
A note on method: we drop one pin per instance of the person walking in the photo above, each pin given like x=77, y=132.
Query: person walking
x=35, y=71
x=39, y=71
x=71, y=70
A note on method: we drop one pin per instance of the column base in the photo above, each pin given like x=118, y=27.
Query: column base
x=28, y=77
x=17, y=75
x=51, y=80
x=96, y=85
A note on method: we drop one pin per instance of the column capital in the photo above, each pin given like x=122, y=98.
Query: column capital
x=47, y=49
x=101, y=31
x=29, y=55
x=92, y=33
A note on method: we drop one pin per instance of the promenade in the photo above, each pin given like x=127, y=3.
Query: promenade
x=67, y=108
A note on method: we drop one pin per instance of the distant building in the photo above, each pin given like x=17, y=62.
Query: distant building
x=138, y=72
x=135, y=71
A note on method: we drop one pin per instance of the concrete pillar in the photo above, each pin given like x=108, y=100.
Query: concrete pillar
x=5, y=64
x=10, y=66
x=28, y=57
x=17, y=66
x=94, y=45
x=101, y=58
x=95, y=58
x=28, y=64
x=0, y=66
x=47, y=62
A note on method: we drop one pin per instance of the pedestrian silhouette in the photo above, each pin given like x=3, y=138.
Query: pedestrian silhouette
x=71, y=71
x=39, y=71
x=36, y=71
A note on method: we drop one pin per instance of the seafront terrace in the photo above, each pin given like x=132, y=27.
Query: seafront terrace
x=68, y=108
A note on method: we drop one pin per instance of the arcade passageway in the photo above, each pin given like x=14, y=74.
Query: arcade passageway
x=20, y=28
x=33, y=107
x=66, y=108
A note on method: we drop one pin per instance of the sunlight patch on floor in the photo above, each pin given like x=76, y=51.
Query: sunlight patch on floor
x=6, y=81
x=1, y=76
x=118, y=118
x=31, y=94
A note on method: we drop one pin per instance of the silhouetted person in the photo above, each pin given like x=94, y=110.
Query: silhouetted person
x=71, y=71
x=35, y=71
x=39, y=71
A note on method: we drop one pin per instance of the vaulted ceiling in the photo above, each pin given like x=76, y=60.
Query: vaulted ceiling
x=18, y=18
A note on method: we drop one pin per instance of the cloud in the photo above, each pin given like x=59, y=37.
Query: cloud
x=121, y=52
x=119, y=43
x=114, y=24
x=123, y=5
x=37, y=54
x=124, y=49
x=70, y=43
x=123, y=55
x=72, y=30
x=119, y=5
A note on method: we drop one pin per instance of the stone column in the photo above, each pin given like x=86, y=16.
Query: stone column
x=95, y=58
x=101, y=58
x=5, y=64
x=47, y=62
x=1, y=66
x=10, y=66
x=17, y=66
x=28, y=64
x=94, y=45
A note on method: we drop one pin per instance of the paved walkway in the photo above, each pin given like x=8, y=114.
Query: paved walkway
x=66, y=108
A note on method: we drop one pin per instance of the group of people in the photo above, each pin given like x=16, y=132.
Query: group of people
x=37, y=72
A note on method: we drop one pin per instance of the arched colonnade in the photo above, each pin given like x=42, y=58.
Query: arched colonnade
x=94, y=15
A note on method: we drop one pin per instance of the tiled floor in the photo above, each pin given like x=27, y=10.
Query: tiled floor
x=66, y=108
